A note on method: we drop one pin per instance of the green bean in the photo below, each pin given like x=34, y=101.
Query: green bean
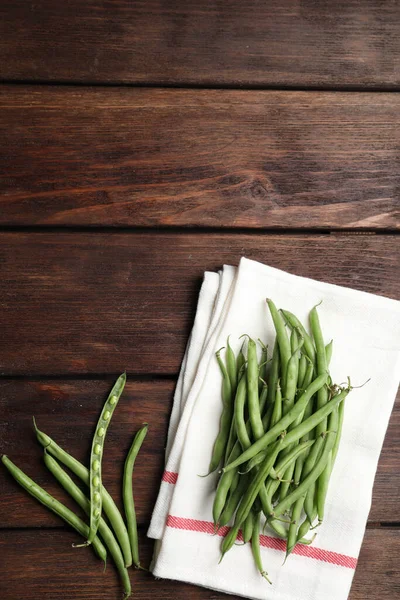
x=263, y=399
x=226, y=418
x=322, y=489
x=255, y=546
x=240, y=361
x=54, y=505
x=323, y=482
x=294, y=525
x=302, y=370
x=282, y=337
x=314, y=474
x=262, y=371
x=127, y=493
x=306, y=526
x=224, y=486
x=110, y=508
x=277, y=410
x=248, y=526
x=322, y=396
x=97, y=454
x=240, y=423
x=277, y=429
x=309, y=502
x=328, y=352
x=292, y=374
x=233, y=501
x=252, y=390
x=273, y=374
x=294, y=322
x=231, y=366
x=339, y=431
x=76, y=494
x=231, y=442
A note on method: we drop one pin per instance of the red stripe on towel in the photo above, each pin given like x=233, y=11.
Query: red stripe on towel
x=170, y=477
x=267, y=541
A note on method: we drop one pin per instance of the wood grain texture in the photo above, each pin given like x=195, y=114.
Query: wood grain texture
x=68, y=412
x=345, y=43
x=53, y=570
x=102, y=303
x=214, y=158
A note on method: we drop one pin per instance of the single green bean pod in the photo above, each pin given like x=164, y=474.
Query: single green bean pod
x=294, y=322
x=96, y=455
x=231, y=366
x=248, y=526
x=282, y=337
x=226, y=417
x=255, y=546
x=273, y=376
x=253, y=399
x=127, y=492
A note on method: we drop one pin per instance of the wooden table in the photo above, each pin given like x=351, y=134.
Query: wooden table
x=143, y=143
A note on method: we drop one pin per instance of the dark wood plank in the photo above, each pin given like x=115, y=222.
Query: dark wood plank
x=136, y=157
x=102, y=303
x=68, y=411
x=346, y=43
x=52, y=569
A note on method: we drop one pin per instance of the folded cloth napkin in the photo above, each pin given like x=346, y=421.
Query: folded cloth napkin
x=366, y=333
x=203, y=338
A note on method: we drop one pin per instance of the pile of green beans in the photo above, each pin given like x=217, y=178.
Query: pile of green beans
x=120, y=540
x=279, y=435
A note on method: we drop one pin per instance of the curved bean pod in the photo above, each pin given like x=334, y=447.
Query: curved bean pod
x=127, y=493
x=224, y=486
x=294, y=525
x=273, y=374
x=302, y=370
x=231, y=366
x=233, y=501
x=226, y=418
x=248, y=526
x=255, y=546
x=96, y=455
x=240, y=423
x=252, y=390
x=282, y=337
x=294, y=322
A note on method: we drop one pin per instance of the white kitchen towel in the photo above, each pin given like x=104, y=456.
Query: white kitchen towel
x=206, y=338
x=366, y=333
x=205, y=308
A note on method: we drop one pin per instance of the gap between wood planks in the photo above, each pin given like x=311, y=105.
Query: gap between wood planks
x=209, y=85
x=194, y=230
